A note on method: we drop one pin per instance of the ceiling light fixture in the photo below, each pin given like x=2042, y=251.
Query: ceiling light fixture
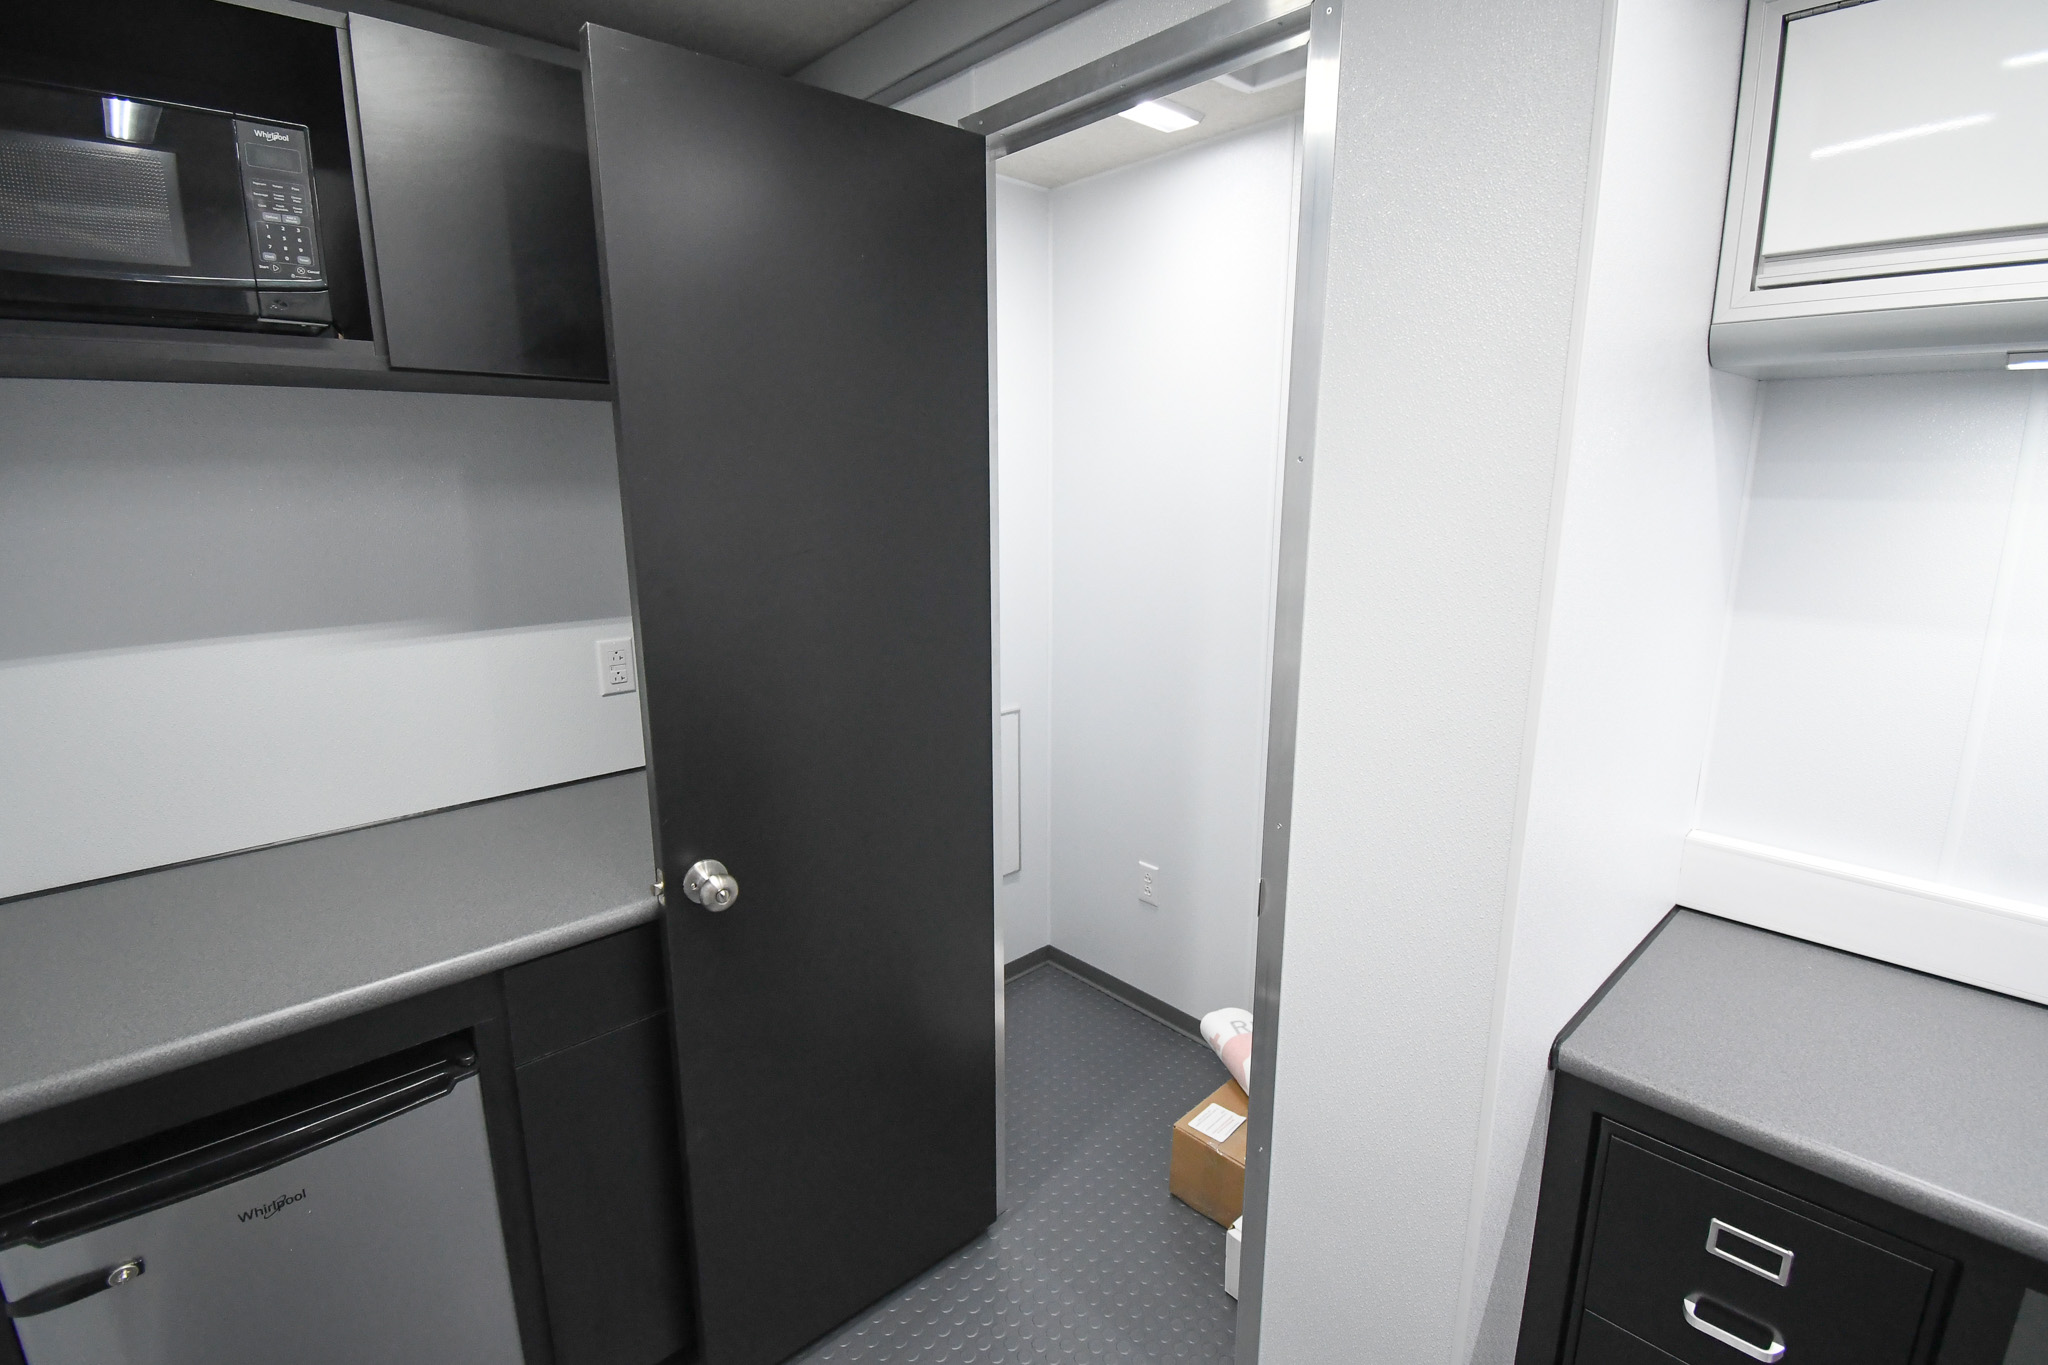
x=1288, y=64
x=1164, y=115
x=2026, y=360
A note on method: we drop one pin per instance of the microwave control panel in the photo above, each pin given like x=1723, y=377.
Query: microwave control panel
x=277, y=192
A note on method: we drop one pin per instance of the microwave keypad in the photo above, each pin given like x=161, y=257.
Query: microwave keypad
x=284, y=242
x=283, y=232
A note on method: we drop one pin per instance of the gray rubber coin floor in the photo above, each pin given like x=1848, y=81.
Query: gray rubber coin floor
x=1094, y=1260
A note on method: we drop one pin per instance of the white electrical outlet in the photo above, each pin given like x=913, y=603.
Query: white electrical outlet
x=615, y=667
x=1148, y=882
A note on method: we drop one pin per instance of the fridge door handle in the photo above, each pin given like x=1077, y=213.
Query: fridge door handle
x=227, y=1159
x=64, y=1293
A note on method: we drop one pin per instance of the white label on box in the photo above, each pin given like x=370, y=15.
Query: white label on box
x=1216, y=1123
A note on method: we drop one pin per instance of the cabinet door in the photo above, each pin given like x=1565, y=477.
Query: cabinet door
x=1910, y=135
x=589, y=1034
x=797, y=292
x=599, y=1120
x=479, y=187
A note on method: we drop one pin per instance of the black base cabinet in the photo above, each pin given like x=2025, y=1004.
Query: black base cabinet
x=572, y=1058
x=597, y=1106
x=1658, y=1241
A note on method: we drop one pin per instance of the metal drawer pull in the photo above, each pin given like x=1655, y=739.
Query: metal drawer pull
x=1749, y=1251
x=1768, y=1354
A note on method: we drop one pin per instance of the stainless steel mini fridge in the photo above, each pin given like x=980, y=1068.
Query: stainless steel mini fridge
x=357, y=1224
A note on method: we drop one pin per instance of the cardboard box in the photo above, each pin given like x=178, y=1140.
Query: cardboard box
x=1207, y=1175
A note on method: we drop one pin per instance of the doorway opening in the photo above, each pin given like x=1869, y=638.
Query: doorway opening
x=1188, y=73
x=1148, y=245
x=1144, y=285
x=1143, y=291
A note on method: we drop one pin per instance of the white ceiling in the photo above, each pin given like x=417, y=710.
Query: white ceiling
x=1115, y=141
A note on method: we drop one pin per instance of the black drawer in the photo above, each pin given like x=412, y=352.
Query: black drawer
x=1843, y=1300
x=1602, y=1343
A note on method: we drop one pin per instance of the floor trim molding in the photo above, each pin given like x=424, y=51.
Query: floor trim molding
x=1016, y=967
x=1114, y=987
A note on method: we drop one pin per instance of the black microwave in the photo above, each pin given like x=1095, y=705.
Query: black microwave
x=115, y=209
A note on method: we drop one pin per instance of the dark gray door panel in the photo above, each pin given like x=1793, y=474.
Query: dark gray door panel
x=797, y=295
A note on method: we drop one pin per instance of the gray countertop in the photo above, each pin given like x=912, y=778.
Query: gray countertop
x=106, y=984
x=1918, y=1090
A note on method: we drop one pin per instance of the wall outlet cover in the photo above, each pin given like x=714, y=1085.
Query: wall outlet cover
x=1148, y=882
x=615, y=669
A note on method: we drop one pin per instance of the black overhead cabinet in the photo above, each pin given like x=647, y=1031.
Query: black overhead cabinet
x=479, y=189
x=450, y=181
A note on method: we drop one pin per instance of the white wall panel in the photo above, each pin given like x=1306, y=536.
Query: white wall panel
x=1463, y=163
x=235, y=615
x=1642, y=570
x=1998, y=828
x=1876, y=530
x=126, y=759
x=1170, y=308
x=1879, y=771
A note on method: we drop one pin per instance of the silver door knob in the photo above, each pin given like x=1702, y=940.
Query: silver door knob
x=710, y=885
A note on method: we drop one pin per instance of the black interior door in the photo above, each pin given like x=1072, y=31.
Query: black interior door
x=796, y=288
